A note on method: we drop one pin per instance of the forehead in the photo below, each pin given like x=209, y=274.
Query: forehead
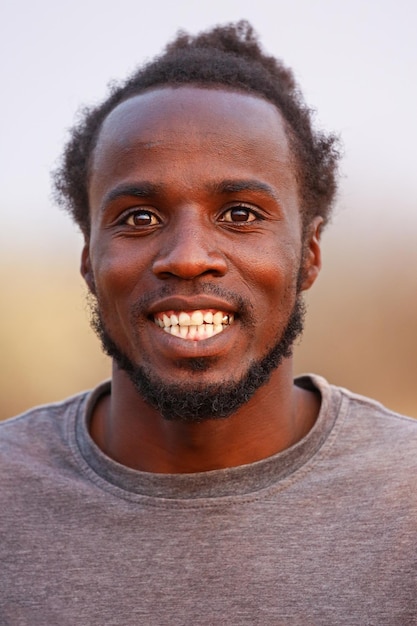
x=186, y=113
x=191, y=136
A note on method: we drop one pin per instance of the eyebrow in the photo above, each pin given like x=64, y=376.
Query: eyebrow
x=146, y=189
x=138, y=190
x=237, y=186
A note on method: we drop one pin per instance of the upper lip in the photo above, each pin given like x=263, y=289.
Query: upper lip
x=191, y=303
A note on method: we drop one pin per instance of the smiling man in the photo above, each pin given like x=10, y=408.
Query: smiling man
x=196, y=255
x=204, y=485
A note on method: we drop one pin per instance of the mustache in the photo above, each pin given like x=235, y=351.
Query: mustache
x=243, y=306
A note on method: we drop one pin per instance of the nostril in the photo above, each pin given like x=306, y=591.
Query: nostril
x=189, y=266
x=190, y=247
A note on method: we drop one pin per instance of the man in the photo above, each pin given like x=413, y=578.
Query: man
x=204, y=485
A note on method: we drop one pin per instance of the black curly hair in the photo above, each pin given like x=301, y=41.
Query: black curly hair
x=229, y=56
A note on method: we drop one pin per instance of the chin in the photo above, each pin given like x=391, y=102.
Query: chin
x=195, y=400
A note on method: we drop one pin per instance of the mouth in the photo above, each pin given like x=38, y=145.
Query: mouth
x=194, y=325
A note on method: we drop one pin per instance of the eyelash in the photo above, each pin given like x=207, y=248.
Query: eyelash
x=251, y=213
x=132, y=213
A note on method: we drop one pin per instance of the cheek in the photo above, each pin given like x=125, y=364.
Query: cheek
x=272, y=270
x=117, y=272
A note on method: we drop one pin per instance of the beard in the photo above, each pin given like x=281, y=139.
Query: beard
x=195, y=402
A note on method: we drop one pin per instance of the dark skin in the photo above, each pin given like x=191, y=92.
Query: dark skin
x=188, y=187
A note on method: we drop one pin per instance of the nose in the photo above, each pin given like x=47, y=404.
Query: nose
x=189, y=250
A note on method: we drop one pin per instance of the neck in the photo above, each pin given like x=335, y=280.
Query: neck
x=131, y=432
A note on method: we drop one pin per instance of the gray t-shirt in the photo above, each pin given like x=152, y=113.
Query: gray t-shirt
x=324, y=533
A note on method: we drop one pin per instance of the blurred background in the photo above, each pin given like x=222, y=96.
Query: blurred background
x=356, y=61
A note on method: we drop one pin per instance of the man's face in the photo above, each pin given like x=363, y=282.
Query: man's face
x=195, y=250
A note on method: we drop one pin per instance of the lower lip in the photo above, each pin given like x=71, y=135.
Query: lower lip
x=211, y=346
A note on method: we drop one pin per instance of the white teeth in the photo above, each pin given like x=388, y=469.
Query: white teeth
x=184, y=319
x=195, y=325
x=208, y=317
x=217, y=318
x=197, y=318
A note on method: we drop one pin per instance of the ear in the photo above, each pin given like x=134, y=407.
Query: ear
x=311, y=254
x=85, y=269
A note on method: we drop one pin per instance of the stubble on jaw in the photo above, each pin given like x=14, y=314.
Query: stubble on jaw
x=195, y=402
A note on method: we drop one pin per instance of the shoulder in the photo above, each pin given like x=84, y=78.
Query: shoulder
x=44, y=431
x=27, y=434
x=372, y=439
x=365, y=433
x=372, y=414
x=375, y=418
x=368, y=462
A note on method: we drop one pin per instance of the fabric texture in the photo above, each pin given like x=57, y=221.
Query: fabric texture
x=324, y=533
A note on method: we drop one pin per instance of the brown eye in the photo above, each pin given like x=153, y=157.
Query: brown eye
x=142, y=217
x=239, y=214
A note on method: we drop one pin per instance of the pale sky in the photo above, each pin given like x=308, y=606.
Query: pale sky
x=356, y=62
